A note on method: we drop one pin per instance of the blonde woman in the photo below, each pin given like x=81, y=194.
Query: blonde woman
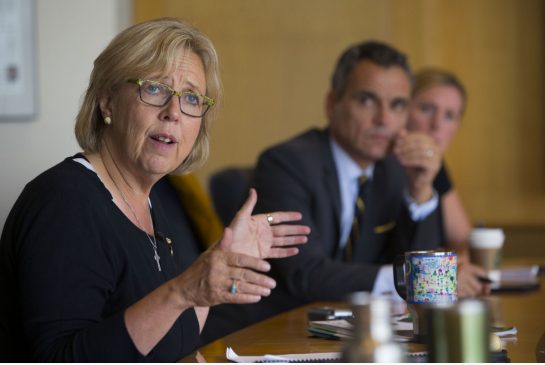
x=437, y=106
x=85, y=274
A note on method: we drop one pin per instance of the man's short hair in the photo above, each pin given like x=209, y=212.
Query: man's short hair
x=377, y=52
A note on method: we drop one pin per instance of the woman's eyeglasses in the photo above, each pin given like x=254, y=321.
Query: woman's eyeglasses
x=157, y=94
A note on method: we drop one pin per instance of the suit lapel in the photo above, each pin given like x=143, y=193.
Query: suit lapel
x=331, y=184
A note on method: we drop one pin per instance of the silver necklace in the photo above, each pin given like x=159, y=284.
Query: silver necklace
x=140, y=225
x=151, y=239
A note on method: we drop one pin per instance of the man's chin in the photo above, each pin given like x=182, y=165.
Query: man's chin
x=378, y=155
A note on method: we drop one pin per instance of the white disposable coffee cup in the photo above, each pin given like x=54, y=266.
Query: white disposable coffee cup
x=485, y=246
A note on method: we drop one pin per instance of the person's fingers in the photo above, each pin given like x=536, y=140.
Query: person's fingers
x=289, y=241
x=249, y=276
x=476, y=286
x=244, y=287
x=249, y=262
x=417, y=148
x=470, y=286
x=281, y=217
x=242, y=298
x=289, y=230
x=226, y=239
x=486, y=289
x=467, y=291
x=249, y=204
x=401, y=135
x=278, y=253
x=419, y=155
x=221, y=268
x=478, y=271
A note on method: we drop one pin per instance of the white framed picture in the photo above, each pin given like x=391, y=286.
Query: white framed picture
x=18, y=87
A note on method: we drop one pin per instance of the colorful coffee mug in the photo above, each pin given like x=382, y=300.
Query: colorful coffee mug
x=425, y=277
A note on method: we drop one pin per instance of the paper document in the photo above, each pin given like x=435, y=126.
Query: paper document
x=524, y=273
x=339, y=328
x=402, y=322
x=310, y=357
x=504, y=331
x=342, y=329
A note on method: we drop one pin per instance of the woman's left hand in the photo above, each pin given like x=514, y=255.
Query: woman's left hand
x=264, y=235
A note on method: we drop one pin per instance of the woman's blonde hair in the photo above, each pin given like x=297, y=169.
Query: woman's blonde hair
x=143, y=49
x=429, y=77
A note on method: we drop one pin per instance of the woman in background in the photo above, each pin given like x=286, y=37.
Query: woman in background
x=437, y=106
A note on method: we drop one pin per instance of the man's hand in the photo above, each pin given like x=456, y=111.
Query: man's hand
x=420, y=156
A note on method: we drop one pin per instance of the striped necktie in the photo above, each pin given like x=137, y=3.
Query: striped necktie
x=357, y=221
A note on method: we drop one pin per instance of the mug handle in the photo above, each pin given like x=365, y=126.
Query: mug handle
x=399, y=276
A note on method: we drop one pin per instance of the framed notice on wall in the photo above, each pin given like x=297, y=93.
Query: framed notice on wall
x=18, y=87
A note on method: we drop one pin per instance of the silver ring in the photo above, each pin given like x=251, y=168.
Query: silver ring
x=233, y=288
x=270, y=218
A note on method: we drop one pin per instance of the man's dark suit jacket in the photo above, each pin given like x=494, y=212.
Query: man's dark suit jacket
x=300, y=175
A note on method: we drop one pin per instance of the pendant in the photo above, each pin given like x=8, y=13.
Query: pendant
x=169, y=244
x=157, y=258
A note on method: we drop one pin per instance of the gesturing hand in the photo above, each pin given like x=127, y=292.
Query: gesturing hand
x=231, y=271
x=208, y=280
x=264, y=235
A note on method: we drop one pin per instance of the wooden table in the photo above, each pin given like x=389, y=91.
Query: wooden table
x=526, y=311
x=286, y=333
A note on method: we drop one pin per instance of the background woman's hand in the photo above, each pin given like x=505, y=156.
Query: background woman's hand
x=469, y=284
x=264, y=235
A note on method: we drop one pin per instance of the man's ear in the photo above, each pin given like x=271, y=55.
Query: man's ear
x=330, y=102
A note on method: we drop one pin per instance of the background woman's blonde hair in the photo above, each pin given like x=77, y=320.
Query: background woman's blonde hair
x=429, y=77
x=140, y=50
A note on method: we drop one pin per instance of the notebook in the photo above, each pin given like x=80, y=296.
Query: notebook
x=309, y=357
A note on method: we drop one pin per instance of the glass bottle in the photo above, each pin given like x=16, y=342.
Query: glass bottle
x=373, y=335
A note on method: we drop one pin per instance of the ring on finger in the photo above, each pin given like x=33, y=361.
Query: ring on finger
x=233, y=288
x=270, y=218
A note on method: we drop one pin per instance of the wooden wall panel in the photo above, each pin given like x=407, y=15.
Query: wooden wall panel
x=277, y=57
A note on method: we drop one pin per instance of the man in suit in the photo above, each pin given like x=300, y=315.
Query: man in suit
x=317, y=173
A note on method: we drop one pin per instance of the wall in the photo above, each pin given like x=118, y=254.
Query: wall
x=277, y=57
x=69, y=35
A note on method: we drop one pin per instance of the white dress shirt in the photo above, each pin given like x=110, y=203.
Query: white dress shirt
x=348, y=172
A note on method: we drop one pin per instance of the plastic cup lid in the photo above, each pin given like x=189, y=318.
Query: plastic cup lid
x=486, y=238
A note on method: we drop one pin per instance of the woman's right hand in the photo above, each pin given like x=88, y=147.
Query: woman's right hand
x=208, y=280
x=469, y=284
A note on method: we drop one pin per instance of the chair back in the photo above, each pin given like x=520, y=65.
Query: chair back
x=229, y=189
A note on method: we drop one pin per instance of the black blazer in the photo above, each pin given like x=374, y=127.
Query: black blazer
x=300, y=175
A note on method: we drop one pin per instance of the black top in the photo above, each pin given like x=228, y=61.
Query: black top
x=71, y=263
x=442, y=183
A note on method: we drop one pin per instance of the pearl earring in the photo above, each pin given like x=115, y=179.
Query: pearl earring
x=108, y=120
